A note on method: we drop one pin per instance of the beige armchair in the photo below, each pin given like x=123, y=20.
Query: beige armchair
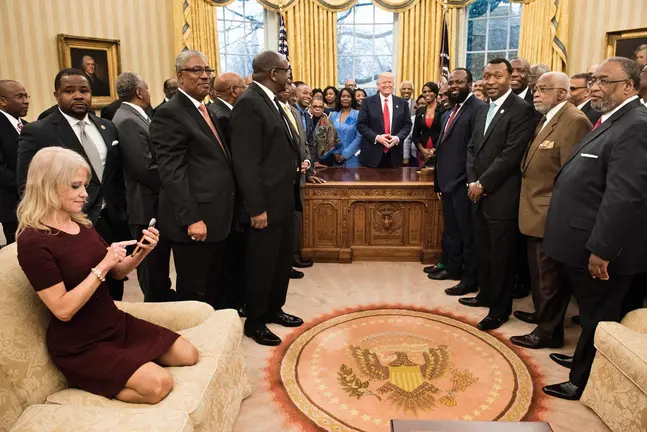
x=617, y=388
x=34, y=395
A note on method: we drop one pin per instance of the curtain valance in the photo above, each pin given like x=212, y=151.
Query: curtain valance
x=342, y=5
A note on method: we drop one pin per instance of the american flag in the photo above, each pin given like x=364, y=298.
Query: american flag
x=444, y=53
x=283, y=38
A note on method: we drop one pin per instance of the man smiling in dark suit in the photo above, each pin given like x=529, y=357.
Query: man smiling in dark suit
x=499, y=139
x=384, y=122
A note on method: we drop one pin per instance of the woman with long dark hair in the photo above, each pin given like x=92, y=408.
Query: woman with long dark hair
x=360, y=95
x=331, y=94
x=345, y=120
x=426, y=126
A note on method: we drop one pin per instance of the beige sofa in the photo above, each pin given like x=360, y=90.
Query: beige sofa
x=34, y=395
x=617, y=388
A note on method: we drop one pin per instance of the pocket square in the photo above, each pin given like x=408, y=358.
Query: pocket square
x=115, y=142
x=588, y=155
x=547, y=145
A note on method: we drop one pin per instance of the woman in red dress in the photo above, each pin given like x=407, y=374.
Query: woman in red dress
x=426, y=125
x=97, y=347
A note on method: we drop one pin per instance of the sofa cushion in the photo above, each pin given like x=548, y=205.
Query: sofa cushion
x=57, y=418
x=625, y=349
x=209, y=392
x=24, y=359
x=10, y=408
x=174, y=316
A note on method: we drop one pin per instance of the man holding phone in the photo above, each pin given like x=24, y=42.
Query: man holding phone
x=384, y=122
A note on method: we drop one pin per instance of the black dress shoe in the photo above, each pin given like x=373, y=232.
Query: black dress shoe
x=242, y=311
x=461, y=289
x=520, y=291
x=527, y=317
x=432, y=269
x=286, y=320
x=533, y=341
x=489, y=323
x=575, y=319
x=562, y=360
x=443, y=275
x=299, y=262
x=566, y=390
x=263, y=336
x=472, y=302
x=296, y=274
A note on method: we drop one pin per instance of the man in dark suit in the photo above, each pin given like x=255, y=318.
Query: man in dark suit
x=595, y=225
x=267, y=166
x=499, y=139
x=450, y=181
x=47, y=112
x=170, y=88
x=581, y=96
x=227, y=88
x=562, y=127
x=384, y=122
x=99, y=87
x=74, y=126
x=142, y=183
x=196, y=202
x=14, y=104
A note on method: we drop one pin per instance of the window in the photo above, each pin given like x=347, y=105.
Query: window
x=492, y=31
x=240, y=35
x=364, y=45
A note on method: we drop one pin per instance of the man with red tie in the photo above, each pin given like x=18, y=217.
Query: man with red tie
x=196, y=202
x=384, y=122
x=14, y=104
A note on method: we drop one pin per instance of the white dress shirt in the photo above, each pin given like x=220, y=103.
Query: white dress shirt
x=580, y=106
x=606, y=116
x=389, y=103
x=139, y=109
x=551, y=114
x=92, y=132
x=502, y=99
x=460, y=107
x=14, y=121
x=196, y=102
x=227, y=104
x=522, y=95
x=268, y=92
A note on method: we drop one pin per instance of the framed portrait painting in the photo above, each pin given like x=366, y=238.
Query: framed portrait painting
x=624, y=43
x=99, y=59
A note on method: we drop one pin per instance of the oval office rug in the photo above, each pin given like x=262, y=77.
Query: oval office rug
x=356, y=370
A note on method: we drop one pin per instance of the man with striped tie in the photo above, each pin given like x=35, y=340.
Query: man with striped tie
x=14, y=104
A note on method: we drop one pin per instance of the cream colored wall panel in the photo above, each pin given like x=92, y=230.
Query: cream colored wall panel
x=28, y=30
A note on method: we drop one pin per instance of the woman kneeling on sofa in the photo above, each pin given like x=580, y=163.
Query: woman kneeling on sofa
x=97, y=347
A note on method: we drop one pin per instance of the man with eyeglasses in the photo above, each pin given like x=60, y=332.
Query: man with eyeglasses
x=581, y=96
x=595, y=227
x=562, y=126
x=267, y=164
x=196, y=203
x=14, y=104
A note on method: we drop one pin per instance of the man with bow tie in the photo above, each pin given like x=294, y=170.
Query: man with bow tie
x=14, y=104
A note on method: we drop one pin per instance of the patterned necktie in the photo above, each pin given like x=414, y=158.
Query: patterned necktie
x=598, y=123
x=19, y=126
x=91, y=151
x=490, y=115
x=288, y=114
x=452, y=115
x=387, y=120
x=207, y=118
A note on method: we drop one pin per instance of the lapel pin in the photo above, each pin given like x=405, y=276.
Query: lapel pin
x=103, y=127
x=397, y=106
x=502, y=111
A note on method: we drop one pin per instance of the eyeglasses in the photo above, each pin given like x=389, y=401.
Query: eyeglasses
x=199, y=70
x=281, y=69
x=542, y=89
x=573, y=88
x=244, y=87
x=602, y=82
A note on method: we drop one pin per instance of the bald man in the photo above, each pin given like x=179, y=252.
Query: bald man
x=562, y=127
x=227, y=88
x=14, y=104
x=592, y=69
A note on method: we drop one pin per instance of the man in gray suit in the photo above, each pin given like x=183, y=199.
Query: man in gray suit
x=142, y=182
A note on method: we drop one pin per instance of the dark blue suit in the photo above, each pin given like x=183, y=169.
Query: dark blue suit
x=370, y=124
x=450, y=178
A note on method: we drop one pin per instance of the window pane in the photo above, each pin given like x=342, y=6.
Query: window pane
x=346, y=17
x=383, y=17
x=383, y=39
x=515, y=9
x=364, y=14
x=512, y=55
x=478, y=9
x=363, y=39
x=254, y=37
x=344, y=40
x=495, y=54
x=515, y=25
x=499, y=8
x=240, y=35
x=344, y=69
x=476, y=35
x=475, y=63
x=497, y=34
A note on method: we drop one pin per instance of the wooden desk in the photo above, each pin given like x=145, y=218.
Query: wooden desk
x=372, y=214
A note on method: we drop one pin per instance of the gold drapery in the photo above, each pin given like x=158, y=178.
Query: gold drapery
x=543, y=36
x=195, y=24
x=419, y=38
x=342, y=5
x=312, y=39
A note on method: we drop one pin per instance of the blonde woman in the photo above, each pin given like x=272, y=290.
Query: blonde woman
x=97, y=347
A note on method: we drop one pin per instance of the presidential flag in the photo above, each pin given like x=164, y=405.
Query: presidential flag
x=444, y=53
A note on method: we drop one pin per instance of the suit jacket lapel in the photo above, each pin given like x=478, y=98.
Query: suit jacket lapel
x=500, y=113
x=542, y=135
x=377, y=101
x=197, y=116
x=275, y=109
x=6, y=124
x=462, y=109
x=110, y=153
x=146, y=121
x=69, y=139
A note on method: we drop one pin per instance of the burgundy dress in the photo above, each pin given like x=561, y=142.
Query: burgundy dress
x=100, y=348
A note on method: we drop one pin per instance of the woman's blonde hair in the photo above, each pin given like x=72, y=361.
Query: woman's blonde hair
x=51, y=170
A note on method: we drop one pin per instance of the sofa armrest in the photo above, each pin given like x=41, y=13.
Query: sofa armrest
x=68, y=418
x=174, y=316
x=636, y=320
x=626, y=349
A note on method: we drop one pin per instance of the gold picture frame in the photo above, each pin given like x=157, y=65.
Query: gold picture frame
x=100, y=59
x=623, y=43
